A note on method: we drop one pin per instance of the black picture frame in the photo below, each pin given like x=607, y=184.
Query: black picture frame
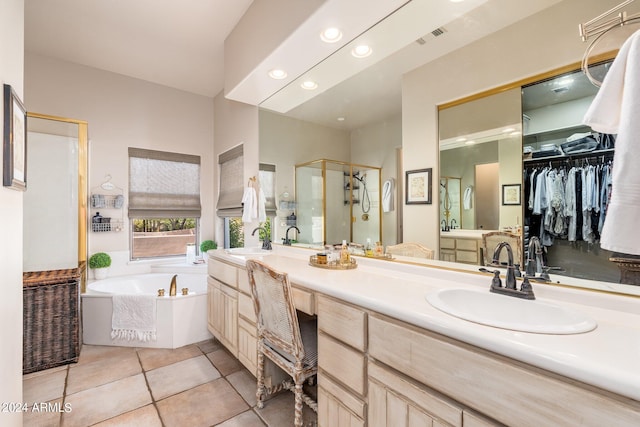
x=14, y=173
x=418, y=186
x=511, y=195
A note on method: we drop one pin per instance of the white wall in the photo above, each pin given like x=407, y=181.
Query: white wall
x=543, y=42
x=11, y=72
x=236, y=123
x=124, y=112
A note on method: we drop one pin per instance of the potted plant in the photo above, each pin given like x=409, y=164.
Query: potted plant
x=100, y=263
x=205, y=246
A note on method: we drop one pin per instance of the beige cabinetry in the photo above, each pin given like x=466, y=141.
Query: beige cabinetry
x=223, y=313
x=342, y=363
x=459, y=249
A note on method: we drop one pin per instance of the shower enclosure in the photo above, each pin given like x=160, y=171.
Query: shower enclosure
x=338, y=201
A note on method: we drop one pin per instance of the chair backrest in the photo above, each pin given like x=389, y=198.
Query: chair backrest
x=275, y=311
x=415, y=250
x=492, y=239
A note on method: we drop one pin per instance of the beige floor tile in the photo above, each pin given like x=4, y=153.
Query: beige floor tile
x=245, y=419
x=106, y=401
x=245, y=384
x=180, y=376
x=279, y=411
x=92, y=353
x=147, y=416
x=102, y=370
x=153, y=358
x=44, y=387
x=45, y=372
x=224, y=362
x=43, y=418
x=205, y=405
x=209, y=345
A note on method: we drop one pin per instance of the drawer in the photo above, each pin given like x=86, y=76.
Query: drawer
x=467, y=244
x=341, y=362
x=446, y=243
x=342, y=321
x=466, y=256
x=303, y=300
x=224, y=273
x=245, y=307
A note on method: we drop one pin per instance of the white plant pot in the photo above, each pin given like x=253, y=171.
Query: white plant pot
x=100, y=273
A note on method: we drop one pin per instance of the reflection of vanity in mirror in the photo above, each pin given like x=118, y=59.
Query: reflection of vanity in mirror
x=482, y=187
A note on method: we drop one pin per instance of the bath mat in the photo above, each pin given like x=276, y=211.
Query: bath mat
x=134, y=318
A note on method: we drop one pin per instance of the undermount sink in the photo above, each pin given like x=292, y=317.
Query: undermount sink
x=511, y=313
x=247, y=251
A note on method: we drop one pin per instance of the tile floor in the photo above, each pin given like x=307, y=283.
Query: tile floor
x=197, y=385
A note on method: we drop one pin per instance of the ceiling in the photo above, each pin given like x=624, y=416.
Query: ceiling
x=182, y=46
x=168, y=42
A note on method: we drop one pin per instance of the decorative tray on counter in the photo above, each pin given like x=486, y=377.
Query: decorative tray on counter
x=332, y=265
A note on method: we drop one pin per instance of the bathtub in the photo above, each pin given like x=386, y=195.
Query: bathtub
x=181, y=319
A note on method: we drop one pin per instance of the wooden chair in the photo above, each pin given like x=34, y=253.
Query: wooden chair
x=290, y=344
x=411, y=249
x=492, y=239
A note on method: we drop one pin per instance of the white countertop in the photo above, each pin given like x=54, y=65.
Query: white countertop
x=606, y=357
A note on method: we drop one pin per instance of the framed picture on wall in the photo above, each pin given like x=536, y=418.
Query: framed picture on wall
x=418, y=186
x=14, y=174
x=511, y=194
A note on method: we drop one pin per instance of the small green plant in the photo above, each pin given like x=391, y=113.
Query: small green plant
x=207, y=245
x=99, y=260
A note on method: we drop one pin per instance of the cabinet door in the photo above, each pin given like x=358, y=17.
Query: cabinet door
x=222, y=317
x=397, y=401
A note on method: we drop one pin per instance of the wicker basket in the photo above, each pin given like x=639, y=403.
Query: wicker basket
x=51, y=319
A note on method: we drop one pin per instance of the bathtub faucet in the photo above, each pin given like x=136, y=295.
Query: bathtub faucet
x=172, y=288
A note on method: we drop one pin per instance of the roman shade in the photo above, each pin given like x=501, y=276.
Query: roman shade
x=163, y=184
x=231, y=183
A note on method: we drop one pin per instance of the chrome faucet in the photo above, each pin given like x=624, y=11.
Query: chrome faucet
x=526, y=291
x=535, y=260
x=172, y=288
x=453, y=227
x=266, y=243
x=286, y=240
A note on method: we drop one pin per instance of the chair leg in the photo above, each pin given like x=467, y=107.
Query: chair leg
x=260, y=391
x=298, y=405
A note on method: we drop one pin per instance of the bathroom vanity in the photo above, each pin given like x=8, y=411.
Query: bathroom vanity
x=387, y=357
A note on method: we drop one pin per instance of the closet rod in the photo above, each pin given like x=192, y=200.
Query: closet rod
x=599, y=157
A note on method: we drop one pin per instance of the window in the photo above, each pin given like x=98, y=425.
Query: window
x=229, y=204
x=164, y=202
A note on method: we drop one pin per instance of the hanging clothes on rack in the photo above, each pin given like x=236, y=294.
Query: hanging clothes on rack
x=615, y=110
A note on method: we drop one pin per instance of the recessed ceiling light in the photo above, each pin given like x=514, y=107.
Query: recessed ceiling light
x=277, y=74
x=456, y=1
x=340, y=119
x=309, y=85
x=331, y=35
x=361, y=51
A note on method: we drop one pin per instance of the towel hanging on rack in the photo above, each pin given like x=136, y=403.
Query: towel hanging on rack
x=387, y=195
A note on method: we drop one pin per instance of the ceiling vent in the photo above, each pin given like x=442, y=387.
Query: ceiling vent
x=438, y=32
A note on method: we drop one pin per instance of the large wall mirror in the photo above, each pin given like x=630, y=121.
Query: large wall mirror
x=360, y=120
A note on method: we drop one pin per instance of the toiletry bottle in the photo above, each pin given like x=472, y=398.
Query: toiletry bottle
x=96, y=220
x=368, y=250
x=345, y=257
x=379, y=250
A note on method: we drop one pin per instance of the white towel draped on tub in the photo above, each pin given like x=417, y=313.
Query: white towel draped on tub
x=134, y=317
